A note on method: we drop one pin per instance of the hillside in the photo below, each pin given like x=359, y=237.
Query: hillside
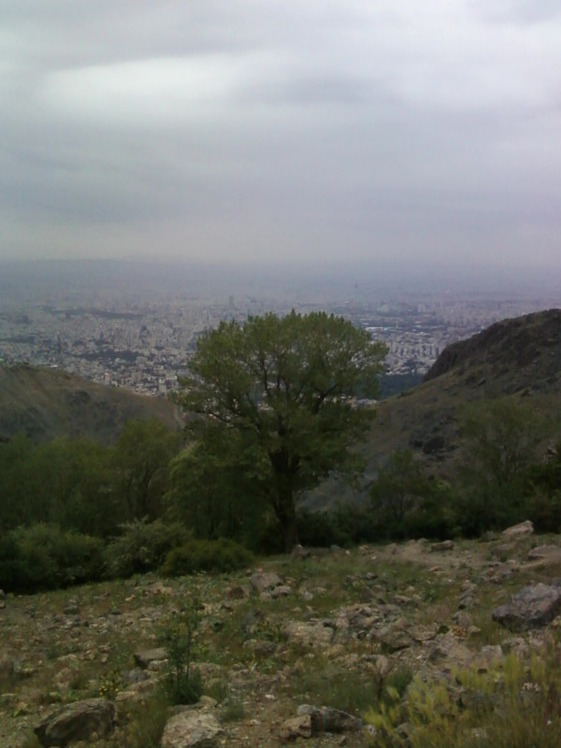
x=518, y=357
x=333, y=631
x=48, y=403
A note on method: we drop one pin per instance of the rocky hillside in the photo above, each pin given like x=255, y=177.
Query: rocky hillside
x=517, y=357
x=298, y=649
x=512, y=355
x=48, y=403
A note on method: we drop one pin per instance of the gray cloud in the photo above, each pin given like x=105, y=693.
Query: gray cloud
x=251, y=130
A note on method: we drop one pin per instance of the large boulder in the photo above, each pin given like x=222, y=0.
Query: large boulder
x=532, y=607
x=521, y=530
x=192, y=729
x=91, y=719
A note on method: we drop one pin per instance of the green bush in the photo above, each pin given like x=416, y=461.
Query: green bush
x=206, y=555
x=143, y=547
x=46, y=557
x=321, y=529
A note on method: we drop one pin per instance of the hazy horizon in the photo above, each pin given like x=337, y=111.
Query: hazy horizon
x=326, y=133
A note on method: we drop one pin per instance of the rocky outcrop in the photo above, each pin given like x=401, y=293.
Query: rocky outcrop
x=313, y=721
x=532, y=607
x=91, y=719
x=192, y=729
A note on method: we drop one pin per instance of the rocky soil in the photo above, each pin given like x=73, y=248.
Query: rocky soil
x=290, y=651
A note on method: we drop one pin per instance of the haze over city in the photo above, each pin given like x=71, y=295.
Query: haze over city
x=384, y=133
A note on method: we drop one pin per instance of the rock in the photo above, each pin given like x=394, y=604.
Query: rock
x=395, y=637
x=328, y=719
x=519, y=531
x=444, y=545
x=447, y=652
x=82, y=720
x=136, y=675
x=300, y=552
x=283, y=590
x=192, y=729
x=532, y=607
x=71, y=608
x=7, y=665
x=551, y=553
x=145, y=657
x=2, y=599
x=312, y=633
x=264, y=581
x=237, y=592
x=296, y=727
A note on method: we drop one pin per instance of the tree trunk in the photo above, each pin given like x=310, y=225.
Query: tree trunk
x=286, y=511
x=290, y=532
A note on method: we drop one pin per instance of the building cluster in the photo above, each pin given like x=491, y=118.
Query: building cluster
x=143, y=343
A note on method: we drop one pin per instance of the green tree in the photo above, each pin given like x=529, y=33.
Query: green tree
x=284, y=387
x=211, y=487
x=406, y=501
x=142, y=454
x=503, y=439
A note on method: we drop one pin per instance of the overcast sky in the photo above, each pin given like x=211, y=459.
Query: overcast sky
x=345, y=130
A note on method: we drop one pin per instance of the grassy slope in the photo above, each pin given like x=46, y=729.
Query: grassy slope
x=47, y=403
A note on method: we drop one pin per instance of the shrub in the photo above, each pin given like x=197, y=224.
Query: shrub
x=512, y=705
x=183, y=684
x=321, y=529
x=143, y=546
x=221, y=555
x=46, y=557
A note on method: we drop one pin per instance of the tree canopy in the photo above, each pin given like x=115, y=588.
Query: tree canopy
x=285, y=389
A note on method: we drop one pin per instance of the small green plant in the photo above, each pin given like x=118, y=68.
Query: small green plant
x=110, y=685
x=146, y=721
x=233, y=710
x=183, y=683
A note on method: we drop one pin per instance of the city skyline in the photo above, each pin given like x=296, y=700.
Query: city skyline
x=289, y=133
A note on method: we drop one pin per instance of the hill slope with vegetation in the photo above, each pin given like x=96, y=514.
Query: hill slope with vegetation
x=517, y=359
x=48, y=403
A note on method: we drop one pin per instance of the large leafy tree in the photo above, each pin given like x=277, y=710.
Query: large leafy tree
x=143, y=453
x=286, y=388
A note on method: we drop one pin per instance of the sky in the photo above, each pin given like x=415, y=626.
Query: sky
x=343, y=131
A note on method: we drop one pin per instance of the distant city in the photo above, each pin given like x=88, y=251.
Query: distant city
x=134, y=326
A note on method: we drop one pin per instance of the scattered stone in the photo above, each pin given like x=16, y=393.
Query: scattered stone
x=192, y=729
x=71, y=608
x=260, y=647
x=296, y=727
x=519, y=531
x=532, y=607
x=395, y=637
x=312, y=633
x=264, y=581
x=145, y=657
x=82, y=720
x=551, y=553
x=235, y=593
x=300, y=552
x=444, y=545
x=283, y=590
x=328, y=719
